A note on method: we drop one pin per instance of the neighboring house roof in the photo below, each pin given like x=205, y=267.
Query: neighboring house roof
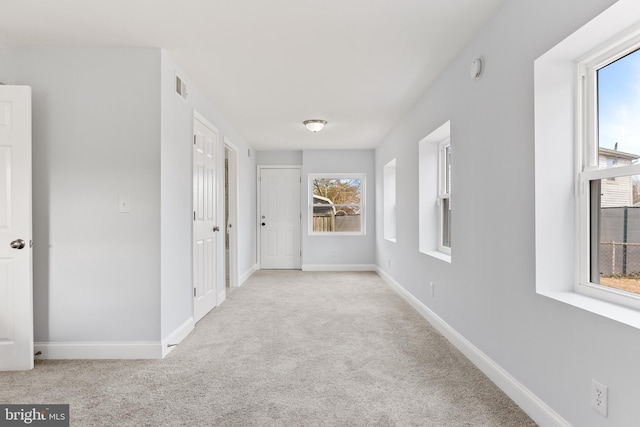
x=619, y=154
x=319, y=200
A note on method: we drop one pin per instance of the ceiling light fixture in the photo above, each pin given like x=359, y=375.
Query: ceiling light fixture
x=315, y=125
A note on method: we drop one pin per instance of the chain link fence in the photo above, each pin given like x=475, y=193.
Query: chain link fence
x=620, y=241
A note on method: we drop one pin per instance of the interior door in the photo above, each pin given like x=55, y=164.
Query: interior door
x=205, y=226
x=280, y=218
x=16, y=288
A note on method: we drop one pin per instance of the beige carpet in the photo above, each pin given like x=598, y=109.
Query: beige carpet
x=286, y=349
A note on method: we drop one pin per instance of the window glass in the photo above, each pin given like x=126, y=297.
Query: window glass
x=618, y=110
x=446, y=223
x=337, y=205
x=615, y=233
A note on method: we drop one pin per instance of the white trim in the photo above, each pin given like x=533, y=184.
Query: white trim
x=279, y=167
x=176, y=337
x=338, y=267
x=247, y=274
x=444, y=166
x=99, y=350
x=439, y=255
x=539, y=411
x=204, y=121
x=234, y=190
x=222, y=295
x=389, y=200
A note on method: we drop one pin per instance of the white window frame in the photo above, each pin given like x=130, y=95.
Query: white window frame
x=389, y=180
x=559, y=190
x=428, y=224
x=444, y=163
x=588, y=163
x=362, y=178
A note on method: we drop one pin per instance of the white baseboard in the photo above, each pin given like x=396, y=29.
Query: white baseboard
x=176, y=337
x=338, y=267
x=245, y=276
x=99, y=350
x=539, y=411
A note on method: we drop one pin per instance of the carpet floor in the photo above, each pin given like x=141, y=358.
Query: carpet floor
x=288, y=348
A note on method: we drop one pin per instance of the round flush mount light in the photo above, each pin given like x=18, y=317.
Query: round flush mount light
x=315, y=125
x=476, y=69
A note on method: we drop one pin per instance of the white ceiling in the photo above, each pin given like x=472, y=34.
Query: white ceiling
x=269, y=65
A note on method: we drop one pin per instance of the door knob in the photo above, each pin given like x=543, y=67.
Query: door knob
x=216, y=228
x=17, y=244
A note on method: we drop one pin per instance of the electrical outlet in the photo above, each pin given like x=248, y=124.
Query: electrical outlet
x=432, y=289
x=599, y=397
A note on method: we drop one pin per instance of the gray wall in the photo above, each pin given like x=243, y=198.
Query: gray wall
x=318, y=250
x=96, y=133
x=177, y=133
x=7, y=65
x=106, y=124
x=279, y=158
x=487, y=293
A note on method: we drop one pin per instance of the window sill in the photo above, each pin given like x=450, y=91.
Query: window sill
x=625, y=315
x=439, y=255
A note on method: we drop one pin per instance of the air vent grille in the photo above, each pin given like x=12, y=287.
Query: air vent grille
x=181, y=88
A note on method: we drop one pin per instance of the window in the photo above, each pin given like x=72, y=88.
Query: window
x=337, y=204
x=389, y=181
x=444, y=197
x=434, y=179
x=582, y=199
x=609, y=218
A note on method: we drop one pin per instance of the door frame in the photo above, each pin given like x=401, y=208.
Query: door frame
x=234, y=195
x=258, y=203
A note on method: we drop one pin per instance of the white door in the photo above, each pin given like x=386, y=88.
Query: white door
x=205, y=226
x=279, y=218
x=16, y=300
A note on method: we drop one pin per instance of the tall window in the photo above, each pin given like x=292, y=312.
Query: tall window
x=434, y=199
x=610, y=173
x=337, y=204
x=389, y=200
x=444, y=196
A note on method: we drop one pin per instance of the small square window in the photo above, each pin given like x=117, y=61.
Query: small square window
x=337, y=204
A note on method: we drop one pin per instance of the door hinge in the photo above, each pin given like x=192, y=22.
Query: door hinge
x=194, y=292
x=194, y=139
x=194, y=215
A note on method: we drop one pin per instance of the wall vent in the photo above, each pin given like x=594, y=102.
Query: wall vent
x=181, y=88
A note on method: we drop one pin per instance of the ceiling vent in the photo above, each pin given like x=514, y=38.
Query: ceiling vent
x=181, y=88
